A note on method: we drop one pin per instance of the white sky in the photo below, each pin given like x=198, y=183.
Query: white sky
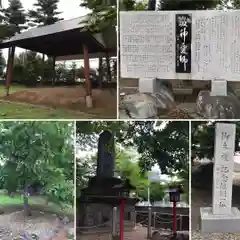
x=70, y=9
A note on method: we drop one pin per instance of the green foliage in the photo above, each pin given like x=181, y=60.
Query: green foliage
x=27, y=67
x=203, y=136
x=45, y=12
x=229, y=4
x=187, y=4
x=15, y=16
x=38, y=152
x=168, y=147
x=131, y=5
x=126, y=169
x=103, y=14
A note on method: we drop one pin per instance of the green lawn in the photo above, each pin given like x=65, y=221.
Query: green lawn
x=27, y=111
x=13, y=88
x=35, y=202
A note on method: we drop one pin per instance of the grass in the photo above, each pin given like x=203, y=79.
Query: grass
x=27, y=111
x=34, y=202
x=13, y=88
x=11, y=110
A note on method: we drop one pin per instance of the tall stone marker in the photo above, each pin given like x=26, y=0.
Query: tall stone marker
x=194, y=45
x=222, y=217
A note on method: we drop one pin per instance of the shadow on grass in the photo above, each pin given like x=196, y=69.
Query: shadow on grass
x=39, y=204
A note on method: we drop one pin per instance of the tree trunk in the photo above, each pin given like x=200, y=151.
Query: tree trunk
x=43, y=68
x=109, y=75
x=100, y=72
x=27, y=211
x=53, y=70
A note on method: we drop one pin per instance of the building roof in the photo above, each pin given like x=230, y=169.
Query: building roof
x=60, y=39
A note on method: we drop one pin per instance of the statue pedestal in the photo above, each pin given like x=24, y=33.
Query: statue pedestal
x=213, y=223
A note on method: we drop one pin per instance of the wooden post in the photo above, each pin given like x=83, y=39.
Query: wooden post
x=88, y=85
x=9, y=69
x=53, y=70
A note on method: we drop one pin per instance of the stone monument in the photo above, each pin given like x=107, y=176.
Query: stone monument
x=104, y=192
x=184, y=45
x=222, y=217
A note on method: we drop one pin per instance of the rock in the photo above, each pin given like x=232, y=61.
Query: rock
x=157, y=235
x=218, y=107
x=148, y=105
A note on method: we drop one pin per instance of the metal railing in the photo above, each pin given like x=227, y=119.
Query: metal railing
x=151, y=220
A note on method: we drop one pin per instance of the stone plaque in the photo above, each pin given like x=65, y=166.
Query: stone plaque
x=216, y=45
x=223, y=168
x=148, y=40
x=183, y=42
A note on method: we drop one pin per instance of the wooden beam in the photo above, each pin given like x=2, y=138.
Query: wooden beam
x=9, y=69
x=88, y=84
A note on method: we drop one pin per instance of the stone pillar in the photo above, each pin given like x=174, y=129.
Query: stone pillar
x=88, y=84
x=147, y=85
x=9, y=69
x=222, y=217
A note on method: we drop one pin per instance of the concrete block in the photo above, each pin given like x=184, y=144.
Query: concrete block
x=147, y=85
x=210, y=223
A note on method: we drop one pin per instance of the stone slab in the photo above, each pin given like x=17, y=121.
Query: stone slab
x=210, y=223
x=147, y=45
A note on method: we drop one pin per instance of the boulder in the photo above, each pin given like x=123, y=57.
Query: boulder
x=148, y=105
x=218, y=107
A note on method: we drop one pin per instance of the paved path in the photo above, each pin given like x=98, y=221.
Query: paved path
x=139, y=233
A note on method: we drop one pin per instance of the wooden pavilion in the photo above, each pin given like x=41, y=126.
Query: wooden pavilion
x=64, y=40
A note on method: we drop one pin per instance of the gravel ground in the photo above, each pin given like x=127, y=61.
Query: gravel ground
x=42, y=224
x=215, y=236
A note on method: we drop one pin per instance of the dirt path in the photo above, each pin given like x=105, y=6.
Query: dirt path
x=40, y=223
x=71, y=98
x=139, y=233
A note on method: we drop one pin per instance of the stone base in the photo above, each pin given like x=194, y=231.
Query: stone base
x=89, y=102
x=210, y=223
x=147, y=85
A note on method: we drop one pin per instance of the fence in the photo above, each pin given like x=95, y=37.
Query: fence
x=148, y=219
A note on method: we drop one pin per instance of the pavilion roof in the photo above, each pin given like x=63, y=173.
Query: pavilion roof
x=60, y=39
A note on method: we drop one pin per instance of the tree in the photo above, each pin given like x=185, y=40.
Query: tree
x=167, y=146
x=27, y=68
x=229, y=4
x=104, y=13
x=15, y=16
x=187, y=4
x=45, y=12
x=38, y=152
x=126, y=169
x=203, y=137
